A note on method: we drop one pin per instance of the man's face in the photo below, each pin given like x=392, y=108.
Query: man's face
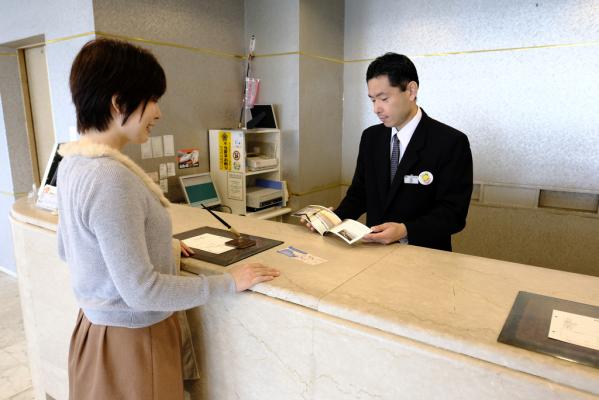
x=393, y=107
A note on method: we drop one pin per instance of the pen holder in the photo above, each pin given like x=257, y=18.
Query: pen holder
x=241, y=242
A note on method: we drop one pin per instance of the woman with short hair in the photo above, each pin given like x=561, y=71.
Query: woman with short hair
x=115, y=234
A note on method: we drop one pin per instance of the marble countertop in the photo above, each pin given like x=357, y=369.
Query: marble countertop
x=447, y=300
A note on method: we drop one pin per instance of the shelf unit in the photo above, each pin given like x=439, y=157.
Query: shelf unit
x=229, y=149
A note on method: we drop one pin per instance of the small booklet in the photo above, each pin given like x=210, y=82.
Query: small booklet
x=325, y=221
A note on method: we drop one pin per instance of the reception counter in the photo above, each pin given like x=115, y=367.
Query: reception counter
x=372, y=322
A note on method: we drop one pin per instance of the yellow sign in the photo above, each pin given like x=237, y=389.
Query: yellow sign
x=224, y=150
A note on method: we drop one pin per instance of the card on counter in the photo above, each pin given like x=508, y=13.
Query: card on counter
x=575, y=329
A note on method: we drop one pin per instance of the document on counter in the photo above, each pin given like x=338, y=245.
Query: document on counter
x=208, y=242
x=576, y=329
x=301, y=255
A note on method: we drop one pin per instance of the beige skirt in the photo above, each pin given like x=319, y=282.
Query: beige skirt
x=108, y=362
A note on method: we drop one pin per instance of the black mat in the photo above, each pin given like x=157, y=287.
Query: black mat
x=527, y=327
x=231, y=256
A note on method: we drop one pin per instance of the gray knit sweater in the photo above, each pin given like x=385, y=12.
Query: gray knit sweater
x=116, y=237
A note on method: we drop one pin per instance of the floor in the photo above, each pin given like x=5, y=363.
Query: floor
x=15, y=379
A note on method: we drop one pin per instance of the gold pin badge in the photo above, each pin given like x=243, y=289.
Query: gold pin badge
x=425, y=178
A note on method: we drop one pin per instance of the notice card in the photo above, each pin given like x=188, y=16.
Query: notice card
x=169, y=145
x=301, y=255
x=576, y=329
x=146, y=150
x=208, y=242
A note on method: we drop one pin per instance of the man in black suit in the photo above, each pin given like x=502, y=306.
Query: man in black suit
x=413, y=176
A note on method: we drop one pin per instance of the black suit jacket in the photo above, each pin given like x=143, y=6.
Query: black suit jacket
x=431, y=213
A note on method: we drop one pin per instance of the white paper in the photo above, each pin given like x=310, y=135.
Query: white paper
x=310, y=259
x=146, y=150
x=164, y=185
x=153, y=176
x=47, y=198
x=169, y=145
x=157, y=146
x=162, y=171
x=234, y=186
x=170, y=169
x=351, y=231
x=576, y=329
x=209, y=242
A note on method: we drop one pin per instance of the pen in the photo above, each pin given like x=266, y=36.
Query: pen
x=222, y=221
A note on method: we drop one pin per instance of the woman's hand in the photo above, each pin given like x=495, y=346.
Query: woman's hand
x=247, y=275
x=186, y=250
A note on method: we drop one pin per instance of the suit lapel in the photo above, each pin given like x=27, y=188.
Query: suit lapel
x=409, y=159
x=384, y=163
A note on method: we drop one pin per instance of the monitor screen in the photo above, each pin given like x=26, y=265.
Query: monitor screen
x=263, y=116
x=199, y=189
x=46, y=195
x=51, y=174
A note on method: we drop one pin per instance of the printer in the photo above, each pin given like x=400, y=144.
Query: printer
x=255, y=163
x=258, y=197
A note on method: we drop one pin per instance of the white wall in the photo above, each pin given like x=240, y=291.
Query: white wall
x=203, y=90
x=307, y=90
x=51, y=20
x=531, y=115
x=7, y=261
x=26, y=23
x=275, y=25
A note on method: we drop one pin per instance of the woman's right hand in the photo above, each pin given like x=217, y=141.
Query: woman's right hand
x=247, y=275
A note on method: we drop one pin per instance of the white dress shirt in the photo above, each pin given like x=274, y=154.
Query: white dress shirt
x=405, y=134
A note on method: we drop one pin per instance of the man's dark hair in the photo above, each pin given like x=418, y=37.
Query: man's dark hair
x=399, y=69
x=106, y=67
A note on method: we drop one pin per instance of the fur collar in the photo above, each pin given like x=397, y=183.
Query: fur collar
x=93, y=150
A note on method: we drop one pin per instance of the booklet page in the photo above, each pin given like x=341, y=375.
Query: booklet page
x=351, y=231
x=321, y=218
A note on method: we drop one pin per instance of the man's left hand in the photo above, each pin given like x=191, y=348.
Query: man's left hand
x=386, y=233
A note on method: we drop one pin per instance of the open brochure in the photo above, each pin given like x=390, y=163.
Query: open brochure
x=324, y=221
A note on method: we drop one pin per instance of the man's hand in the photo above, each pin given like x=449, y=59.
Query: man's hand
x=386, y=233
x=304, y=220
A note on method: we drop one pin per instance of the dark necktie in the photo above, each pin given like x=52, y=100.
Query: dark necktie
x=394, y=156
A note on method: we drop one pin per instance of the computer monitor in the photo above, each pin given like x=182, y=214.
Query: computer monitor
x=263, y=116
x=51, y=172
x=46, y=195
x=199, y=189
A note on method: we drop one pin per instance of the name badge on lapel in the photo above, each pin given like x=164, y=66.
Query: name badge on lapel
x=410, y=179
x=424, y=178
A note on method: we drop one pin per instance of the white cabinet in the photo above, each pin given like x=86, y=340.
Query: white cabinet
x=248, y=160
